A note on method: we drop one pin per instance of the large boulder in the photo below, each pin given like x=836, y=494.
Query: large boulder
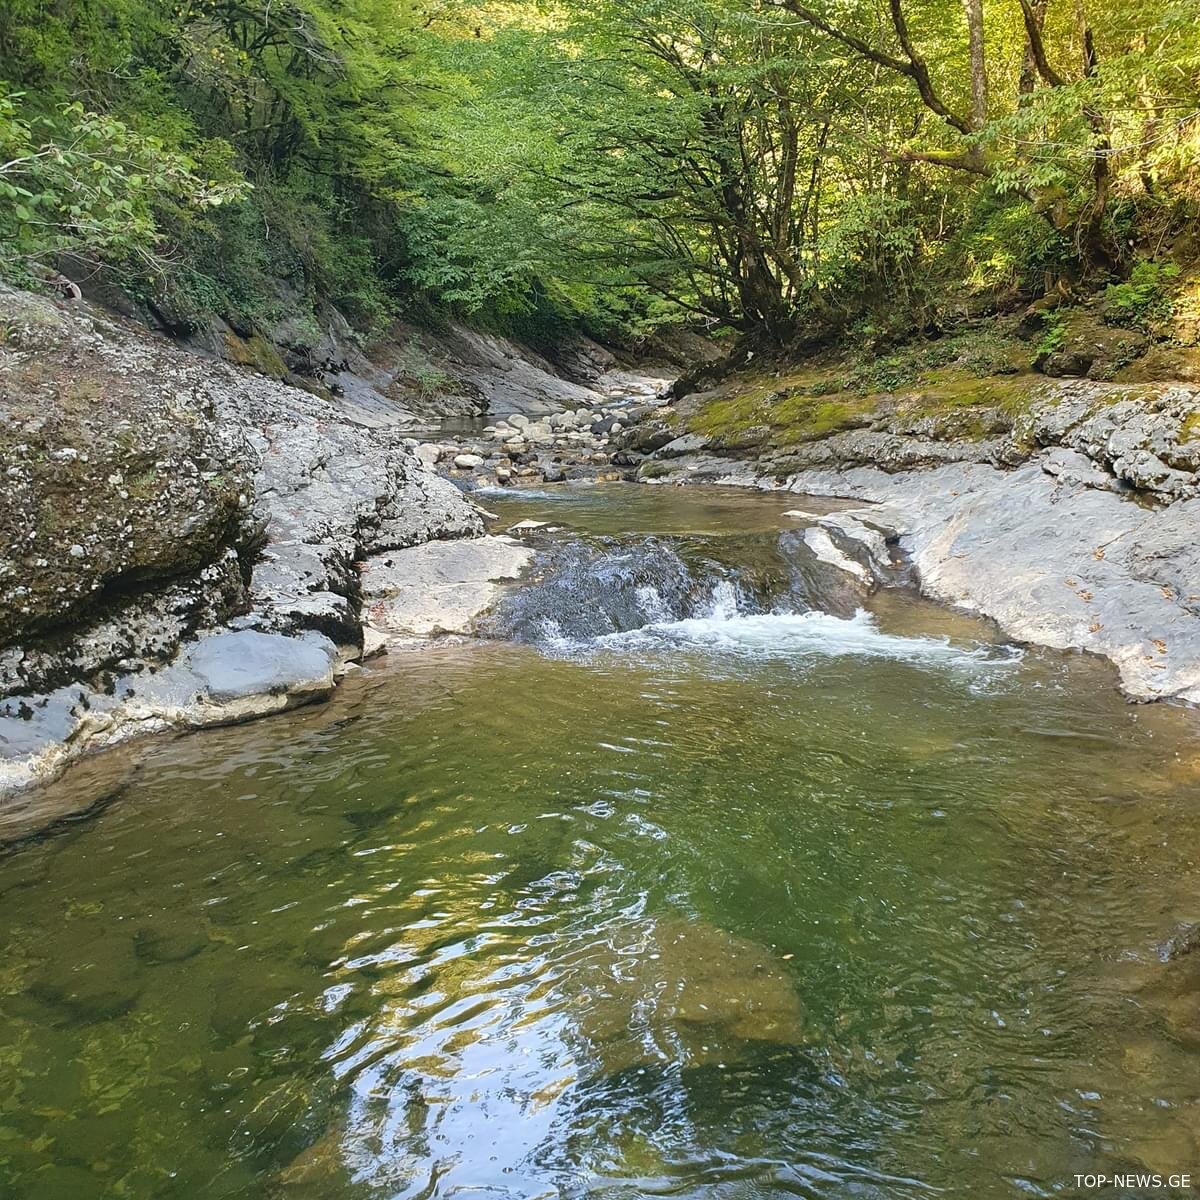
x=117, y=474
x=179, y=538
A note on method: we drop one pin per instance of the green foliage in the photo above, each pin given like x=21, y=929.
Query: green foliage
x=1143, y=298
x=1054, y=334
x=426, y=378
x=975, y=353
x=81, y=184
x=607, y=165
x=1003, y=248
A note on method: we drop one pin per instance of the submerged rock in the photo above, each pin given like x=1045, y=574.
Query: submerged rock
x=100, y=983
x=1185, y=940
x=682, y=991
x=318, y=1171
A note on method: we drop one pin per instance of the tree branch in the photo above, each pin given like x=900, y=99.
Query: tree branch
x=912, y=66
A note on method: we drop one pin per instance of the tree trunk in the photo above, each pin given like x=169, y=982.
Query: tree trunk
x=1029, y=71
x=1095, y=243
x=979, y=88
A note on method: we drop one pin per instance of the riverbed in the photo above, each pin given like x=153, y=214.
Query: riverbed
x=689, y=885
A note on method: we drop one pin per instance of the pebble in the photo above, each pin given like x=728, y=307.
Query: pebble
x=552, y=447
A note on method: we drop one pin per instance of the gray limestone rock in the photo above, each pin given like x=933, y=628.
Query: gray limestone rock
x=439, y=587
x=1053, y=562
x=238, y=665
x=688, y=443
x=178, y=538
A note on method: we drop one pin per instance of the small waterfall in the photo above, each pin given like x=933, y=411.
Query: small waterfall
x=592, y=589
x=755, y=596
x=586, y=590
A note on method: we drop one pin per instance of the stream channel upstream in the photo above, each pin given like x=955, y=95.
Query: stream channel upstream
x=702, y=875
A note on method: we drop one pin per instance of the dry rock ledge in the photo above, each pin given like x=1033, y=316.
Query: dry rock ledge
x=1076, y=526
x=185, y=544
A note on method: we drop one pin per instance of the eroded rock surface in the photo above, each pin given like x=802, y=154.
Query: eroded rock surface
x=438, y=587
x=179, y=539
x=1075, y=526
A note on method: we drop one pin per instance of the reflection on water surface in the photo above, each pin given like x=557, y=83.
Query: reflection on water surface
x=664, y=919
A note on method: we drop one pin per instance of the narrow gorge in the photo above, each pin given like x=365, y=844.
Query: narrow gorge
x=599, y=600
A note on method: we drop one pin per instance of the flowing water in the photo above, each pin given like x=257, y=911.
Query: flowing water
x=707, y=883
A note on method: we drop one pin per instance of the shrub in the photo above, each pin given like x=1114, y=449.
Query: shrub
x=1144, y=298
x=74, y=182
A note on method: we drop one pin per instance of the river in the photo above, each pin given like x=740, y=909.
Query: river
x=703, y=881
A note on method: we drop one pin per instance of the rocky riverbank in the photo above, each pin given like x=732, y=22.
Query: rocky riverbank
x=1074, y=523
x=574, y=444
x=187, y=543
x=1069, y=513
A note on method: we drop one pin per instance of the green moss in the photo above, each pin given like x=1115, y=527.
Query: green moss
x=791, y=407
x=255, y=352
x=1012, y=394
x=976, y=353
x=803, y=412
x=654, y=470
x=1189, y=431
x=790, y=416
x=1165, y=361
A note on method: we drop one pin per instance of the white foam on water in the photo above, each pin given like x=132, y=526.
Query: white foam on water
x=800, y=635
x=516, y=493
x=724, y=602
x=651, y=602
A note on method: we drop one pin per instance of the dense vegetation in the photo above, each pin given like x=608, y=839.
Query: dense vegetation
x=611, y=163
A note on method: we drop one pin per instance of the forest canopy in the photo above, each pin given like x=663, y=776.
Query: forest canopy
x=610, y=164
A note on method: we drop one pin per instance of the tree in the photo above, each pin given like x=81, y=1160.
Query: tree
x=80, y=185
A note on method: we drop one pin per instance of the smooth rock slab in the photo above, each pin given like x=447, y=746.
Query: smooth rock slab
x=1055, y=552
x=222, y=679
x=439, y=587
x=235, y=666
x=1051, y=560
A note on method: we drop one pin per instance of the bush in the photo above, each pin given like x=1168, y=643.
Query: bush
x=1144, y=298
x=76, y=183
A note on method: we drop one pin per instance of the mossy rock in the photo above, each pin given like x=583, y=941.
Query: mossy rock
x=255, y=352
x=1080, y=343
x=1165, y=362
x=109, y=473
x=950, y=405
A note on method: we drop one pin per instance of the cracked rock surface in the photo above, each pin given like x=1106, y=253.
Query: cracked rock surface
x=179, y=539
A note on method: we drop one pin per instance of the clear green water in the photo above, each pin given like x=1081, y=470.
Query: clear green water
x=663, y=919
